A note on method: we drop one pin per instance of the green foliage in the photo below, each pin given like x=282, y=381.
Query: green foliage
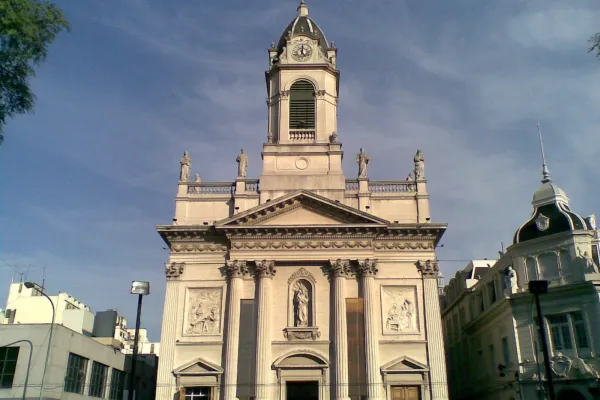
x=27, y=28
x=595, y=41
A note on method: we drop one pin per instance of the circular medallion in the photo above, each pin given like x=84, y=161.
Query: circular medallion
x=302, y=163
x=301, y=52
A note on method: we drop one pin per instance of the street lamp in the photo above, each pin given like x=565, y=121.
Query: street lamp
x=537, y=288
x=141, y=289
x=36, y=287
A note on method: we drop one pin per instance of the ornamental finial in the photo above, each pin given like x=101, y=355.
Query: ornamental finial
x=545, y=171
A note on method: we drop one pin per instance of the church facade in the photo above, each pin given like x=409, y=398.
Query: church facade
x=302, y=284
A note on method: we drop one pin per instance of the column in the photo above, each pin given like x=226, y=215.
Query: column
x=165, y=381
x=265, y=270
x=338, y=271
x=433, y=327
x=367, y=270
x=236, y=271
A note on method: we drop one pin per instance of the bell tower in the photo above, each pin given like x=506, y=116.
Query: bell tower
x=302, y=149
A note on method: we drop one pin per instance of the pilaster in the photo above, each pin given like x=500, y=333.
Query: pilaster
x=368, y=270
x=433, y=325
x=265, y=270
x=166, y=386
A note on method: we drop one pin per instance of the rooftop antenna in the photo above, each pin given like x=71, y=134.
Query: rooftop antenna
x=545, y=172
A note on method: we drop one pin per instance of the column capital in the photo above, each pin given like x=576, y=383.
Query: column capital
x=367, y=268
x=265, y=268
x=428, y=268
x=174, y=270
x=339, y=268
x=237, y=268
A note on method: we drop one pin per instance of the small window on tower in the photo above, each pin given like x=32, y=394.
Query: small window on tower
x=302, y=106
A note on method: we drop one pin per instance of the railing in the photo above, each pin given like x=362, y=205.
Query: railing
x=211, y=188
x=303, y=135
x=392, y=187
x=252, y=186
x=351, y=185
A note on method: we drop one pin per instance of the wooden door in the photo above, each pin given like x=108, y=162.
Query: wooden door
x=406, y=393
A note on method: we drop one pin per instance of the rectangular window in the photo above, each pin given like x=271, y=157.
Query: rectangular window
x=8, y=365
x=581, y=336
x=98, y=379
x=75, y=377
x=117, y=385
x=505, y=351
x=560, y=332
x=197, y=393
x=491, y=292
x=492, y=358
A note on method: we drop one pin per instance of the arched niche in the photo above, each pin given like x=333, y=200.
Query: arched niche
x=302, y=306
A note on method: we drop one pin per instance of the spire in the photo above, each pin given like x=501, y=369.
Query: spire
x=545, y=172
x=302, y=9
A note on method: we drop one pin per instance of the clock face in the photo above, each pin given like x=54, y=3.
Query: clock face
x=301, y=52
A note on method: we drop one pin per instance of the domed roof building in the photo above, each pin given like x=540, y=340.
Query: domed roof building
x=303, y=24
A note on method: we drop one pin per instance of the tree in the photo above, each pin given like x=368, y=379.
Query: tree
x=595, y=41
x=27, y=28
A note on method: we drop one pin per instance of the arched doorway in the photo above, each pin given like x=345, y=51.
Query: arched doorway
x=570, y=394
x=302, y=374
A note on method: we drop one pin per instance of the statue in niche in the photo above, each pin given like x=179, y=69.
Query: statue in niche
x=186, y=165
x=204, y=314
x=401, y=312
x=419, y=165
x=242, y=161
x=363, y=161
x=510, y=280
x=301, y=300
x=589, y=266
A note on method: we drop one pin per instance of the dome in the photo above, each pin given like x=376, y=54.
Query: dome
x=548, y=193
x=303, y=25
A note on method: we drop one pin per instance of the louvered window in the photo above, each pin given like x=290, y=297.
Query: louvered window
x=302, y=106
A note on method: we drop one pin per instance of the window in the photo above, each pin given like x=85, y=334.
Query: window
x=581, y=337
x=492, y=359
x=117, y=385
x=531, y=269
x=491, y=288
x=8, y=364
x=548, y=266
x=302, y=105
x=98, y=379
x=75, y=377
x=197, y=393
x=505, y=351
x=560, y=332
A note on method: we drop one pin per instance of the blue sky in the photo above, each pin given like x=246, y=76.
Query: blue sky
x=88, y=176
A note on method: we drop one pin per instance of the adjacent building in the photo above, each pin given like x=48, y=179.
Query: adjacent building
x=490, y=322
x=302, y=283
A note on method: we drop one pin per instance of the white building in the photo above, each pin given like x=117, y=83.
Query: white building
x=491, y=337
x=302, y=284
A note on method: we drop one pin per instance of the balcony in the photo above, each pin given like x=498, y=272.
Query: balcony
x=303, y=135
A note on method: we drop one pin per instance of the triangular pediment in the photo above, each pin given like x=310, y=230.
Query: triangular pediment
x=198, y=366
x=301, y=208
x=404, y=364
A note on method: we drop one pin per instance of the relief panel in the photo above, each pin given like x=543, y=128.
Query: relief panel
x=399, y=310
x=203, y=311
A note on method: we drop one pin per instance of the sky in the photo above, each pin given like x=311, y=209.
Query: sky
x=88, y=176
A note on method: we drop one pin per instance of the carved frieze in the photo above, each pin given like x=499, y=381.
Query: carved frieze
x=300, y=244
x=367, y=268
x=399, y=309
x=174, y=270
x=198, y=247
x=237, y=269
x=401, y=245
x=265, y=269
x=203, y=311
x=428, y=268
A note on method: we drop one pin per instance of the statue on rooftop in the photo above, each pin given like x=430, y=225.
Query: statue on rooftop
x=590, y=266
x=186, y=165
x=363, y=161
x=419, y=165
x=242, y=161
x=198, y=179
x=510, y=280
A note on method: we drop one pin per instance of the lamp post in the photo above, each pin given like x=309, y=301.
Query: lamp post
x=28, y=364
x=34, y=286
x=537, y=288
x=141, y=289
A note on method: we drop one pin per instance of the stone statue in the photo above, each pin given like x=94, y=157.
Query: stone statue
x=301, y=299
x=242, y=161
x=410, y=177
x=363, y=161
x=592, y=221
x=333, y=138
x=590, y=266
x=198, y=179
x=419, y=165
x=186, y=165
x=510, y=280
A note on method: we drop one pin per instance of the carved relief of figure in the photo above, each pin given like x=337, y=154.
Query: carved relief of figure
x=590, y=266
x=510, y=280
x=393, y=319
x=406, y=313
x=186, y=165
x=400, y=315
x=363, y=161
x=419, y=165
x=242, y=161
x=301, y=299
x=204, y=312
x=333, y=138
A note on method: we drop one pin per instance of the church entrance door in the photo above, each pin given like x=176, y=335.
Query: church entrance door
x=302, y=390
x=406, y=393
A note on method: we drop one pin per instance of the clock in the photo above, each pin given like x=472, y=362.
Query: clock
x=301, y=52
